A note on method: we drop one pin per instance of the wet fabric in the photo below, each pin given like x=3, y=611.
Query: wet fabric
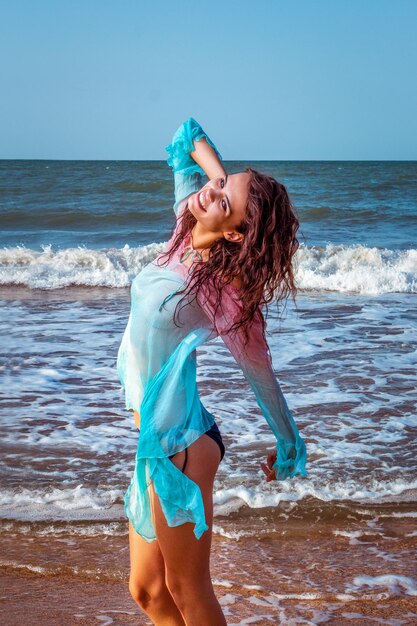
x=156, y=365
x=215, y=434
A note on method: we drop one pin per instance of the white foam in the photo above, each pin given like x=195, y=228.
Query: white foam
x=231, y=534
x=352, y=535
x=357, y=269
x=51, y=269
x=299, y=596
x=89, y=529
x=405, y=514
x=227, y=501
x=72, y=503
x=344, y=269
x=84, y=503
x=395, y=583
x=222, y=583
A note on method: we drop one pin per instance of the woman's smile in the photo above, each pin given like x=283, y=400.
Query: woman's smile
x=219, y=207
x=202, y=200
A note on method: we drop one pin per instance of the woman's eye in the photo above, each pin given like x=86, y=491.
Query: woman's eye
x=224, y=204
x=222, y=182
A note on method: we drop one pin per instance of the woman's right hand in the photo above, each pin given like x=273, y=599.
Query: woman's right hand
x=137, y=418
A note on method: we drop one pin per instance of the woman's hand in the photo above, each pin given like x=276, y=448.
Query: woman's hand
x=269, y=472
x=137, y=418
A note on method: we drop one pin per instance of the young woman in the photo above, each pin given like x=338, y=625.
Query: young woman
x=230, y=253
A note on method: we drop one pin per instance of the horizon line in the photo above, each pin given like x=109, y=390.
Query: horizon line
x=225, y=160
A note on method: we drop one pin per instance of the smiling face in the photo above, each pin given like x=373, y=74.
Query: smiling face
x=219, y=207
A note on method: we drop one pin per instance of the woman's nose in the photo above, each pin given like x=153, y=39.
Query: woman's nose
x=211, y=194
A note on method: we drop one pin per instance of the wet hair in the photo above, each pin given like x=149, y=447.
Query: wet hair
x=262, y=260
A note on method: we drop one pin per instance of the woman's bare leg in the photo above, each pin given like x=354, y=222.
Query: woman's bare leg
x=187, y=559
x=147, y=582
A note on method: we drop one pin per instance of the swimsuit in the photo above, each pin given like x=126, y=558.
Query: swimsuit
x=157, y=365
x=215, y=434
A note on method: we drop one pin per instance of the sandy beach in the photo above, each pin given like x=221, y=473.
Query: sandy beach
x=318, y=574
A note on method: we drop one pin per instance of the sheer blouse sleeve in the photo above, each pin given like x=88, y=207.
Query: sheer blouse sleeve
x=255, y=361
x=187, y=174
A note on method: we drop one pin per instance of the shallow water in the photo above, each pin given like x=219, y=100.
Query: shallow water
x=67, y=450
x=335, y=546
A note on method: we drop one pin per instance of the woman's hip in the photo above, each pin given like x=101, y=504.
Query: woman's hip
x=214, y=433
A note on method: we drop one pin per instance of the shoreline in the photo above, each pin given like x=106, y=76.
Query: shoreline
x=320, y=573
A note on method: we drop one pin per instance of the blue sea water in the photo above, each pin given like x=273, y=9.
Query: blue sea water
x=73, y=236
x=111, y=203
x=97, y=222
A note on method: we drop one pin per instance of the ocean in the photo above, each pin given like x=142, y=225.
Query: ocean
x=331, y=547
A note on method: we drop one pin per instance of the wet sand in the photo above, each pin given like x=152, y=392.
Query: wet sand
x=309, y=575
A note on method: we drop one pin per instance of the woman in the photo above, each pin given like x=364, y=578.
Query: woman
x=230, y=252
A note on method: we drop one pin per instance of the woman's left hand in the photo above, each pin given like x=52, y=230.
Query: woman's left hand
x=269, y=472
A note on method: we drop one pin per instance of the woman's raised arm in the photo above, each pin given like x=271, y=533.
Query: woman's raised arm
x=191, y=155
x=206, y=157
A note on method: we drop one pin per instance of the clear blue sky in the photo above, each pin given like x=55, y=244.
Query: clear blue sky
x=267, y=79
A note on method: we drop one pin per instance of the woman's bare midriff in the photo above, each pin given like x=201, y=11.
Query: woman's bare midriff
x=137, y=418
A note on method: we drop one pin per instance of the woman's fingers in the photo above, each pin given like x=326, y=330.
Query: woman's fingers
x=272, y=457
x=269, y=473
x=267, y=468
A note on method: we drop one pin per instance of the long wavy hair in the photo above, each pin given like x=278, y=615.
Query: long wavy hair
x=262, y=261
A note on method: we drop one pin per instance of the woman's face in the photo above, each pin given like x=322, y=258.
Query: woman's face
x=219, y=206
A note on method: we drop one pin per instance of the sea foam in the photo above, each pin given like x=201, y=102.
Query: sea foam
x=353, y=269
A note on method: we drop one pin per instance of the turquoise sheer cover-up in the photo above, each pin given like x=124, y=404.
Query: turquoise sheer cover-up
x=157, y=368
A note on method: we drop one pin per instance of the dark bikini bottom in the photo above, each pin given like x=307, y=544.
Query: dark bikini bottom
x=214, y=433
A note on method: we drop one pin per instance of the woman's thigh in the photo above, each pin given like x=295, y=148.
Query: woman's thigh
x=186, y=557
x=147, y=566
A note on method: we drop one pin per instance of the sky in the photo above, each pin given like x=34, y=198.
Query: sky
x=267, y=80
